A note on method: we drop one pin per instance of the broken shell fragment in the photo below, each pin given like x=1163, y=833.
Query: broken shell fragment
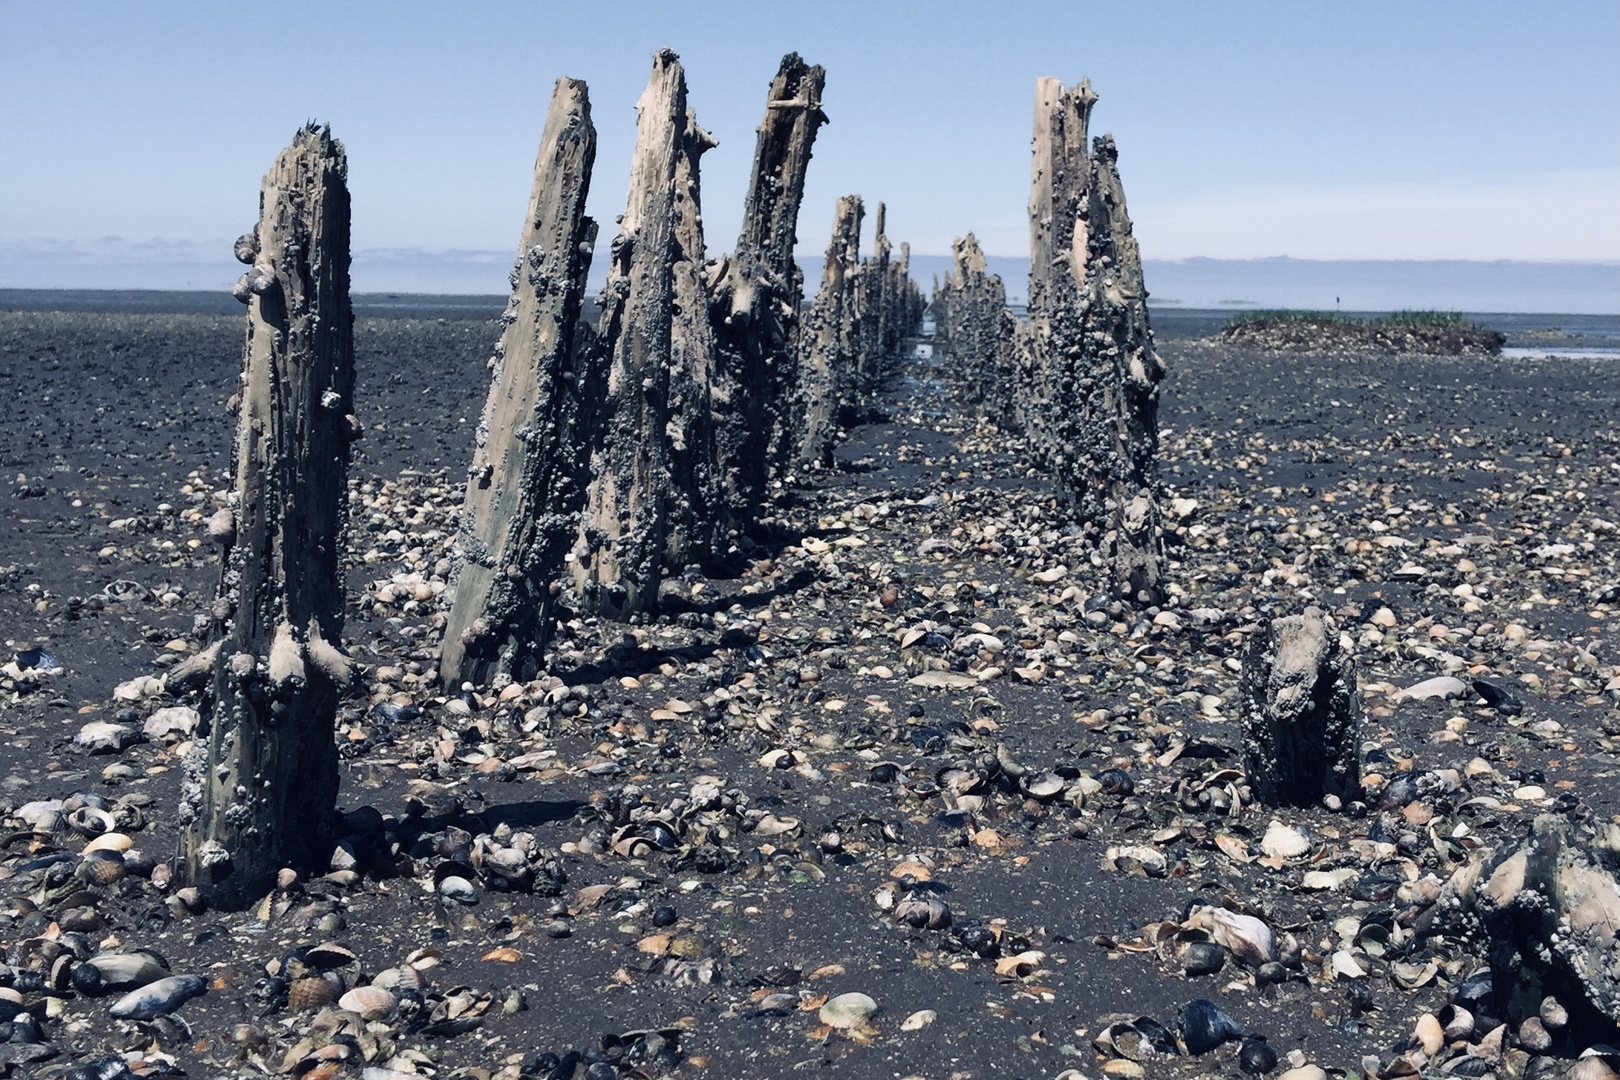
x=1248, y=938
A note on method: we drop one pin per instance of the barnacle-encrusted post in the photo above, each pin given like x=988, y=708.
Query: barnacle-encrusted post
x=697, y=514
x=618, y=553
x=1091, y=395
x=1301, y=714
x=525, y=483
x=263, y=793
x=828, y=353
x=756, y=299
x=973, y=329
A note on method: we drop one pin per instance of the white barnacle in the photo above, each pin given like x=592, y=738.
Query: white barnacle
x=326, y=658
x=286, y=658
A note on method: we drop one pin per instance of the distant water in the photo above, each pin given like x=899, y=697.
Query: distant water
x=188, y=302
x=1531, y=334
x=1352, y=285
x=1234, y=284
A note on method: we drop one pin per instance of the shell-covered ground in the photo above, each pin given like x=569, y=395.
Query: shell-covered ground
x=898, y=795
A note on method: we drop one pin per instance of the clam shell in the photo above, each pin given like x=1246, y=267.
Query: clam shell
x=329, y=955
x=371, y=1002
x=1249, y=939
x=399, y=978
x=847, y=1011
x=111, y=841
x=1281, y=842
x=314, y=992
x=1046, y=785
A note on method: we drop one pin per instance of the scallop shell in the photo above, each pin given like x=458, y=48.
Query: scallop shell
x=371, y=1002
x=1281, y=842
x=314, y=992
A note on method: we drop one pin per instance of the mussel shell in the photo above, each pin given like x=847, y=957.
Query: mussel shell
x=1116, y=782
x=1202, y=957
x=1155, y=1034
x=981, y=942
x=90, y=822
x=155, y=999
x=1256, y=1056
x=1204, y=1026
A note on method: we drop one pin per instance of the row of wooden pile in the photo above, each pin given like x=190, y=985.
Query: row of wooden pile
x=1080, y=376
x=609, y=455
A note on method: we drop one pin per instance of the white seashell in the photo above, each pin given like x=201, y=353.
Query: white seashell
x=101, y=737
x=1281, y=842
x=1248, y=938
x=370, y=1002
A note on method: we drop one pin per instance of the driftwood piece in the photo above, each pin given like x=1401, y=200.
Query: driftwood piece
x=618, y=553
x=1089, y=394
x=263, y=795
x=756, y=299
x=828, y=359
x=526, y=484
x=1301, y=714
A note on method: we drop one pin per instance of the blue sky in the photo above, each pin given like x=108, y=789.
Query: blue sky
x=1371, y=130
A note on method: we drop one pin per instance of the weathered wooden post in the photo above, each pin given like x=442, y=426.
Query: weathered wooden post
x=974, y=329
x=757, y=298
x=827, y=371
x=697, y=513
x=1091, y=397
x=526, y=484
x=618, y=553
x=1127, y=364
x=1301, y=714
x=877, y=296
x=264, y=793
